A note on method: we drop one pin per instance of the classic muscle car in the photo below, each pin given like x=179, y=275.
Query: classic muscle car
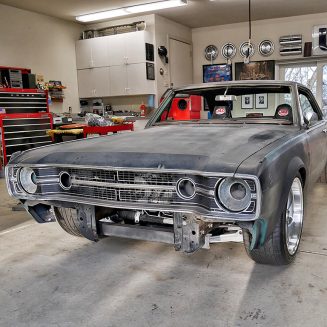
x=215, y=162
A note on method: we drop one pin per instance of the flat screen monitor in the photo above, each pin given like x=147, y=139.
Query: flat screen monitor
x=217, y=73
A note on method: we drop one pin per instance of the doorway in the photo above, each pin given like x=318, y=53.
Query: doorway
x=180, y=63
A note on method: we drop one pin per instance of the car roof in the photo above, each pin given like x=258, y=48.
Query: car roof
x=237, y=83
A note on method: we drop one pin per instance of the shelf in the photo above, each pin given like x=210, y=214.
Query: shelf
x=57, y=88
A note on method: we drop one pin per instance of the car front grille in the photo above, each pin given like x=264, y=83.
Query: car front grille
x=114, y=185
x=125, y=188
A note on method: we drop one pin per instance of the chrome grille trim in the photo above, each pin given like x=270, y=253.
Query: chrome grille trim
x=120, y=185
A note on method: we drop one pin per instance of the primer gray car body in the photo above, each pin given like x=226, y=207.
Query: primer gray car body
x=266, y=156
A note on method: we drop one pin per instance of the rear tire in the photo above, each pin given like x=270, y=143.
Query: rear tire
x=282, y=245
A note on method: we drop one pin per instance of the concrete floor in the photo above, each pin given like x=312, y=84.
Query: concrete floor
x=49, y=278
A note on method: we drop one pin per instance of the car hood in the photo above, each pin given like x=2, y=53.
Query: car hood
x=214, y=148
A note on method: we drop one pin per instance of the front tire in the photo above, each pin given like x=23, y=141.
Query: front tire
x=67, y=218
x=282, y=245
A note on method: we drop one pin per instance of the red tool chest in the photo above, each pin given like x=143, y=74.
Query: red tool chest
x=24, y=119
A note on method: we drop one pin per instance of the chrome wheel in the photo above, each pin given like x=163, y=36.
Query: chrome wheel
x=294, y=216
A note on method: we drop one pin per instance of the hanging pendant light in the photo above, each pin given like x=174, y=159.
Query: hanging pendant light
x=248, y=51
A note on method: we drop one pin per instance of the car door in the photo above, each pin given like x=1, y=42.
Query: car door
x=316, y=132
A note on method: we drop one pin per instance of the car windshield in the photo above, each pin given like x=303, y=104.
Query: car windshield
x=229, y=104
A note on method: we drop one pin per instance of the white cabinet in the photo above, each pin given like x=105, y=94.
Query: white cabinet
x=130, y=80
x=92, y=53
x=135, y=47
x=116, y=50
x=113, y=50
x=118, y=80
x=128, y=48
x=84, y=80
x=137, y=83
x=100, y=81
x=83, y=53
x=113, y=65
x=93, y=82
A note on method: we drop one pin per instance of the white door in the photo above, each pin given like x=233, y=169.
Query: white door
x=85, y=87
x=118, y=80
x=137, y=83
x=83, y=54
x=100, y=81
x=117, y=49
x=180, y=63
x=135, y=47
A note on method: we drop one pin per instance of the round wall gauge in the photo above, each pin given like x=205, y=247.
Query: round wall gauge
x=228, y=51
x=211, y=52
x=266, y=48
x=244, y=49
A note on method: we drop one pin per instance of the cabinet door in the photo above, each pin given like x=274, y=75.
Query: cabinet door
x=118, y=80
x=99, y=51
x=84, y=53
x=100, y=81
x=117, y=49
x=85, y=87
x=135, y=47
x=137, y=82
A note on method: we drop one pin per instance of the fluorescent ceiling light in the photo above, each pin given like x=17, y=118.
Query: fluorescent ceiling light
x=158, y=5
x=155, y=6
x=101, y=15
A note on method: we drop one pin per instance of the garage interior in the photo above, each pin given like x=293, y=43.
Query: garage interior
x=57, y=53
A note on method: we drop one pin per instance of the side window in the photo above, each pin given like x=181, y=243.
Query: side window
x=306, y=107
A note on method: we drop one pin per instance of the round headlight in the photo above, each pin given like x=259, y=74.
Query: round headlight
x=65, y=181
x=27, y=180
x=234, y=194
x=186, y=188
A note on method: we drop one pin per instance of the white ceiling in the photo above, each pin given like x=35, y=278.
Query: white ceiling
x=198, y=13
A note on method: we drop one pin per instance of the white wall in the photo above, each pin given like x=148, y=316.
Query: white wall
x=270, y=29
x=44, y=44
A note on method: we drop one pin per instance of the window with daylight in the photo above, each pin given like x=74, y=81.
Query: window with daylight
x=313, y=75
x=306, y=75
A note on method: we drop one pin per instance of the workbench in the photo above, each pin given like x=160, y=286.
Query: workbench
x=82, y=131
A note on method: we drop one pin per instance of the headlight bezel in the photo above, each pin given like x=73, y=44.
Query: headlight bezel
x=28, y=181
x=180, y=193
x=227, y=201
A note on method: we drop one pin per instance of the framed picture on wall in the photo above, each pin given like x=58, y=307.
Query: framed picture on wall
x=261, y=101
x=217, y=73
x=255, y=70
x=247, y=101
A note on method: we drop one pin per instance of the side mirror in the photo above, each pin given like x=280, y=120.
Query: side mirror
x=309, y=118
